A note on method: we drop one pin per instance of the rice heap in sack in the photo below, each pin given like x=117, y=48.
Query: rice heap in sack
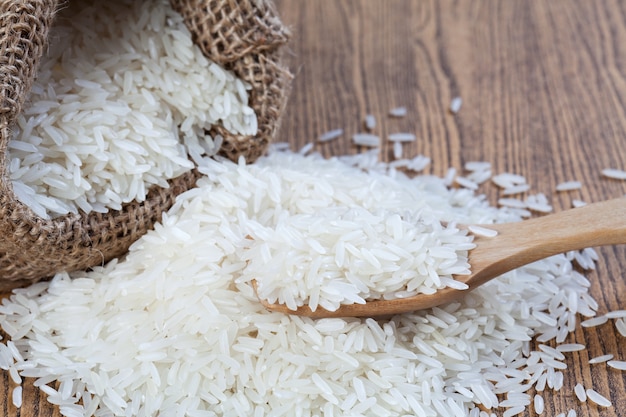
x=100, y=120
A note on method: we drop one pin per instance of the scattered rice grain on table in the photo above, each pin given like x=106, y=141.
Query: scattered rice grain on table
x=594, y=321
x=601, y=359
x=366, y=139
x=580, y=392
x=620, y=325
x=538, y=403
x=330, y=135
x=401, y=137
x=569, y=186
x=617, y=174
x=16, y=396
x=455, y=105
x=370, y=122
x=398, y=112
x=508, y=180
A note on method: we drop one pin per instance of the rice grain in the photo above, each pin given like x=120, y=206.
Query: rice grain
x=620, y=365
x=579, y=390
x=299, y=219
x=455, y=105
x=330, y=135
x=569, y=186
x=538, y=404
x=601, y=358
x=617, y=174
x=398, y=112
x=597, y=398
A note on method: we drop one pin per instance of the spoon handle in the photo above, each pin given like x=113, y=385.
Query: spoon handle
x=520, y=243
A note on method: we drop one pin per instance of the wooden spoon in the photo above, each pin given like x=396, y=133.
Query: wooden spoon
x=515, y=245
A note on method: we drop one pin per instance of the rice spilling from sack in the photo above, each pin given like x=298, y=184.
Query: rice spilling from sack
x=122, y=99
x=174, y=328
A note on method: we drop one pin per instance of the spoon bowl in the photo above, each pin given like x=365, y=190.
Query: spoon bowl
x=514, y=245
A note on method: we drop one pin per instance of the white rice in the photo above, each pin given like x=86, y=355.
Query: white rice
x=482, y=231
x=621, y=365
x=398, y=112
x=366, y=139
x=455, y=105
x=617, y=174
x=401, y=137
x=448, y=179
x=370, y=122
x=306, y=149
x=16, y=396
x=601, y=359
x=330, y=135
x=595, y=321
x=551, y=352
x=538, y=404
x=516, y=189
x=569, y=186
x=477, y=166
x=579, y=390
x=538, y=202
x=107, y=117
x=615, y=314
x=507, y=180
x=513, y=411
x=350, y=254
x=512, y=202
x=570, y=347
x=138, y=348
x=415, y=164
x=479, y=171
x=597, y=398
x=480, y=177
x=466, y=183
x=620, y=325
x=397, y=150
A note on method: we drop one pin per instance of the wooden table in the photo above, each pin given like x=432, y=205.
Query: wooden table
x=544, y=95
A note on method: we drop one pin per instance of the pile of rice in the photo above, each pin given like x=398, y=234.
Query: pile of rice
x=175, y=328
x=354, y=241
x=122, y=97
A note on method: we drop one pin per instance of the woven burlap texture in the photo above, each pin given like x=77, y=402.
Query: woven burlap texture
x=245, y=36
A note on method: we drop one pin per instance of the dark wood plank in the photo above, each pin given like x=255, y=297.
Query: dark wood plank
x=544, y=95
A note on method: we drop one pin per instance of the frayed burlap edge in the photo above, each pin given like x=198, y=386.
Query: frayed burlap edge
x=244, y=36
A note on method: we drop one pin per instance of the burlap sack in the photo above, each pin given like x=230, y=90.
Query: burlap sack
x=243, y=35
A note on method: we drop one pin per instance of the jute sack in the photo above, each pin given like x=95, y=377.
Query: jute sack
x=245, y=36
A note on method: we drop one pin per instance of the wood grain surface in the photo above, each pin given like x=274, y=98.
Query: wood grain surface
x=544, y=95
